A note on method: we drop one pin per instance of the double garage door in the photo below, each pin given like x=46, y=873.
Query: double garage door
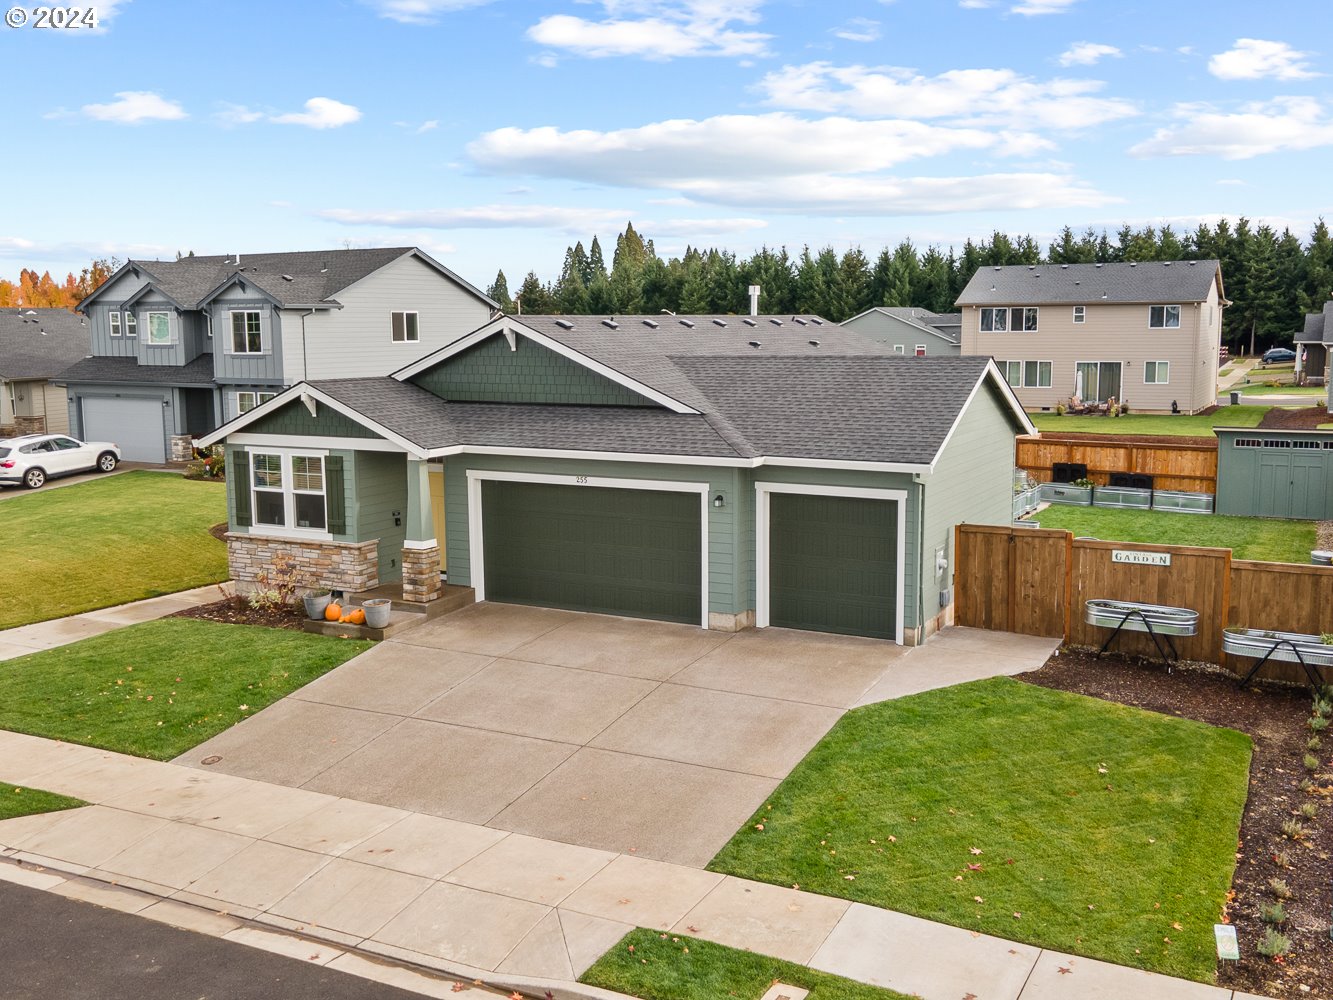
x=135, y=425
x=638, y=553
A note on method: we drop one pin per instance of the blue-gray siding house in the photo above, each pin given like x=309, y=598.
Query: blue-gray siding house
x=912, y=331
x=179, y=347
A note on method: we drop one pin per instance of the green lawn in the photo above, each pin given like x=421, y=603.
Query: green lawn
x=657, y=966
x=1263, y=538
x=1168, y=424
x=15, y=800
x=1063, y=821
x=106, y=542
x=1287, y=389
x=157, y=689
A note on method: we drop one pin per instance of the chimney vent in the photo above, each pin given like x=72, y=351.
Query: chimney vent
x=754, y=300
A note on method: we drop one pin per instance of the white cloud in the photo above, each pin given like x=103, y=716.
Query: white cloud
x=1282, y=124
x=657, y=29
x=133, y=107
x=32, y=251
x=421, y=11
x=1088, y=54
x=858, y=29
x=237, y=114
x=969, y=95
x=1257, y=59
x=662, y=154
x=1034, y=8
x=783, y=164
x=564, y=218
x=696, y=228
x=429, y=126
x=320, y=112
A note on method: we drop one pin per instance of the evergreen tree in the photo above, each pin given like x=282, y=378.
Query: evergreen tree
x=659, y=290
x=856, y=279
x=1318, y=285
x=499, y=291
x=601, y=301
x=596, y=265
x=571, y=294
x=694, y=290
x=935, y=289
x=533, y=297
x=582, y=264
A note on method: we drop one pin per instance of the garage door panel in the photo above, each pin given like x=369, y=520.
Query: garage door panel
x=833, y=564
x=615, y=551
x=135, y=425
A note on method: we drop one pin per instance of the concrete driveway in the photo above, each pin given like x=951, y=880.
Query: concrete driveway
x=625, y=735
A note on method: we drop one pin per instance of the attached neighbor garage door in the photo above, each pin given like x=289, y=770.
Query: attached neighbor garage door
x=625, y=552
x=133, y=424
x=833, y=564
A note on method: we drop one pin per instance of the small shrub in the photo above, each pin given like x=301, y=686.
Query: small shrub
x=1311, y=762
x=1293, y=829
x=1309, y=810
x=1308, y=786
x=1318, y=723
x=1273, y=913
x=1279, y=888
x=1059, y=409
x=1313, y=743
x=1282, y=860
x=1273, y=943
x=1322, y=708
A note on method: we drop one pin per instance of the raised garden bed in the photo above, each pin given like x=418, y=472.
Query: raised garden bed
x=1275, y=718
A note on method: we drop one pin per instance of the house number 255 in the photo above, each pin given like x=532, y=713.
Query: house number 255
x=581, y=480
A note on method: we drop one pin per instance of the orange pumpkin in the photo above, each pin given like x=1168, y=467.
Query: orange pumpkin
x=357, y=617
x=333, y=612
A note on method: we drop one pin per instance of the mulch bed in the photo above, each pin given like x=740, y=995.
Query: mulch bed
x=219, y=531
x=1111, y=437
x=237, y=611
x=1275, y=719
x=1305, y=419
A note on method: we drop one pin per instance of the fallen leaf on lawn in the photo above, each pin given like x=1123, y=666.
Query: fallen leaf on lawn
x=974, y=850
x=1008, y=861
x=1090, y=906
x=759, y=826
x=1017, y=915
x=631, y=948
x=978, y=899
x=850, y=878
x=1175, y=925
x=893, y=840
x=958, y=878
x=974, y=867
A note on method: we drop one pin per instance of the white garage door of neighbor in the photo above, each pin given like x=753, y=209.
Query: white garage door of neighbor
x=133, y=424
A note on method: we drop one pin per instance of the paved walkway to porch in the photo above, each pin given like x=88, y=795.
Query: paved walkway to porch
x=241, y=858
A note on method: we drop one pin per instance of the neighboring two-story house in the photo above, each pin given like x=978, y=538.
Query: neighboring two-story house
x=179, y=347
x=35, y=346
x=909, y=330
x=1145, y=334
x=1314, y=345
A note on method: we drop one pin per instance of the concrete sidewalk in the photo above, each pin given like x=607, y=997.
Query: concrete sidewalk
x=61, y=631
x=515, y=911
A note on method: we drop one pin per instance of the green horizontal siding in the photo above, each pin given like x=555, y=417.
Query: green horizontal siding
x=491, y=372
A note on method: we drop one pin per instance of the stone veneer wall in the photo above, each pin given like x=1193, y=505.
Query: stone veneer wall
x=421, y=575
x=182, y=447
x=29, y=425
x=347, y=566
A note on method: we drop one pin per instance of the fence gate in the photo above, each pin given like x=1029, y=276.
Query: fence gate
x=1012, y=580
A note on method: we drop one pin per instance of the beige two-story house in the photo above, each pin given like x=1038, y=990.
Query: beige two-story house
x=1144, y=334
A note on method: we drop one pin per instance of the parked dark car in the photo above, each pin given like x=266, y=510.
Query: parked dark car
x=1279, y=355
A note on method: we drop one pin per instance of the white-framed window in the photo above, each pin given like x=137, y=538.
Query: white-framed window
x=1156, y=372
x=160, y=333
x=1027, y=374
x=246, y=332
x=405, y=327
x=1164, y=317
x=247, y=400
x=115, y=323
x=287, y=490
x=1012, y=319
x=1080, y=314
x=899, y=349
x=131, y=324
x=920, y=350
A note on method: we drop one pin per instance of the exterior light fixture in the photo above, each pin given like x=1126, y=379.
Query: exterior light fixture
x=719, y=501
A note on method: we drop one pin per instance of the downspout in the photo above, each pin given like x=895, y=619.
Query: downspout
x=305, y=371
x=921, y=558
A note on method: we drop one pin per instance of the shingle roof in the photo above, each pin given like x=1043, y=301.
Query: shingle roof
x=315, y=275
x=1317, y=327
x=881, y=408
x=101, y=369
x=40, y=343
x=1150, y=281
x=946, y=325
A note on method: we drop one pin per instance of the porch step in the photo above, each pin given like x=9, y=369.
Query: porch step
x=402, y=614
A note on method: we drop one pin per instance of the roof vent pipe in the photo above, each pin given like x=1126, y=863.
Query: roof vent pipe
x=238, y=260
x=754, y=300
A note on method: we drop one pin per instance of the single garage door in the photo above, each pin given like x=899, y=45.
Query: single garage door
x=1291, y=479
x=833, y=564
x=133, y=424
x=614, y=551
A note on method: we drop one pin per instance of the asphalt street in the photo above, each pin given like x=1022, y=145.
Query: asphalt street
x=54, y=948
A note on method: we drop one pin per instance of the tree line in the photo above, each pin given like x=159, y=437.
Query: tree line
x=1271, y=278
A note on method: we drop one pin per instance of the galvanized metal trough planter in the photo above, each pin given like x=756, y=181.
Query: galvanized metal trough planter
x=1182, y=502
x=1311, y=652
x=1155, y=619
x=1064, y=493
x=1122, y=496
x=1321, y=557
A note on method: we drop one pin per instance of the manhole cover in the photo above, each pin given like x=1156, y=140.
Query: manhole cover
x=781, y=991
x=211, y=759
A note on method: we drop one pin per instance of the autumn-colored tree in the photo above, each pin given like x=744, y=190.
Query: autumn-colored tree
x=41, y=291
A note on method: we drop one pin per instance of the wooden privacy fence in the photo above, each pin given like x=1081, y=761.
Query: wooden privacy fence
x=1035, y=581
x=1188, y=466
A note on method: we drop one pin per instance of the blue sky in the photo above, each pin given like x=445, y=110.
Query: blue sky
x=494, y=134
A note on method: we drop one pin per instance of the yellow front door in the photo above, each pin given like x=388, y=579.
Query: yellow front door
x=437, y=510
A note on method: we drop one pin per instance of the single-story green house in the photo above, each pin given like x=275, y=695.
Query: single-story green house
x=725, y=471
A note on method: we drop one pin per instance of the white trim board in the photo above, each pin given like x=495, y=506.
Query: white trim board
x=762, y=529
x=475, y=527
x=508, y=326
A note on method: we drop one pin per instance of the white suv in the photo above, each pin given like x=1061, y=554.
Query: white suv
x=34, y=458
